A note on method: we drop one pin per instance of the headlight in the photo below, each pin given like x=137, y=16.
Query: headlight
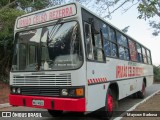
x=64, y=92
x=72, y=92
x=14, y=90
x=18, y=90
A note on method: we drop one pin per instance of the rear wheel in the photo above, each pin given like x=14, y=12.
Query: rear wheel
x=141, y=94
x=55, y=113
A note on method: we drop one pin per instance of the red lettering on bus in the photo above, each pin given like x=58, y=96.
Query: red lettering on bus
x=63, y=13
x=24, y=22
x=128, y=71
x=70, y=12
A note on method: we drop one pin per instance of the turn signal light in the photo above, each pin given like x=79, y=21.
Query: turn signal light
x=79, y=92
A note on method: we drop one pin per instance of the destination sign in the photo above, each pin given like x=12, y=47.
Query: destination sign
x=48, y=15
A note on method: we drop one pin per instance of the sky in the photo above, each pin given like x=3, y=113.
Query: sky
x=139, y=29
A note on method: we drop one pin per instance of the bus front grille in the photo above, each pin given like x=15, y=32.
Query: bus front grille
x=42, y=80
x=40, y=90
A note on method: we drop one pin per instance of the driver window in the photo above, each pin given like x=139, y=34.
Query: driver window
x=88, y=40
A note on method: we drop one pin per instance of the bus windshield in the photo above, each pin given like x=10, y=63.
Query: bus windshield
x=56, y=47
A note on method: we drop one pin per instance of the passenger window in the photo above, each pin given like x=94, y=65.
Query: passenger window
x=144, y=55
x=121, y=53
x=133, y=52
x=112, y=35
x=105, y=32
x=98, y=49
x=122, y=40
x=139, y=53
x=113, y=50
x=107, y=48
x=149, y=57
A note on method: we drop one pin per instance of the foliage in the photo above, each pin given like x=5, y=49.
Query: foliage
x=7, y=21
x=149, y=9
x=156, y=71
x=32, y=5
x=9, y=11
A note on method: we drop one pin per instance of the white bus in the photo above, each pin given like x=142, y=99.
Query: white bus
x=66, y=58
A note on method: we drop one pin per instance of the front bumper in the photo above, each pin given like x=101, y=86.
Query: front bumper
x=52, y=103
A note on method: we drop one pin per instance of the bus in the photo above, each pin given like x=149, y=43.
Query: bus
x=66, y=58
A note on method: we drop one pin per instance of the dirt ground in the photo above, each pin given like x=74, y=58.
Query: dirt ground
x=4, y=92
x=148, y=109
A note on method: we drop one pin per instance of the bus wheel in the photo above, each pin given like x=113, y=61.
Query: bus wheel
x=109, y=105
x=141, y=94
x=55, y=113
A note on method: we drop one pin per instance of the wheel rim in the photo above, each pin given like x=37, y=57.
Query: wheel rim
x=110, y=103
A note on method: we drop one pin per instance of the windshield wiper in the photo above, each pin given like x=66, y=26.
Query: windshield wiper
x=53, y=32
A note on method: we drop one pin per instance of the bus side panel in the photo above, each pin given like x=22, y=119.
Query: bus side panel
x=149, y=80
x=129, y=86
x=96, y=96
x=97, y=86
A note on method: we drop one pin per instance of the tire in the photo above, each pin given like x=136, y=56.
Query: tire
x=110, y=105
x=141, y=94
x=55, y=113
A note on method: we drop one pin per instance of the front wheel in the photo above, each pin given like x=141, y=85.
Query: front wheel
x=55, y=113
x=109, y=105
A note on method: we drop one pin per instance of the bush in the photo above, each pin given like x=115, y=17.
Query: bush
x=156, y=71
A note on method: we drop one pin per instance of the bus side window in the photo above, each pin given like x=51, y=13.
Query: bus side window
x=139, y=53
x=98, y=51
x=123, y=47
x=105, y=33
x=144, y=55
x=149, y=57
x=133, y=52
x=112, y=38
x=88, y=40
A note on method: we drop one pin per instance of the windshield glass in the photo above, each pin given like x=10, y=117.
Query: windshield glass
x=56, y=47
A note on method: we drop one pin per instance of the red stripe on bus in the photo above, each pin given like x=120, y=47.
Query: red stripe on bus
x=97, y=80
x=66, y=104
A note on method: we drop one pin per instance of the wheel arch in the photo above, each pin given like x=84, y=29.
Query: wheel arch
x=145, y=81
x=115, y=89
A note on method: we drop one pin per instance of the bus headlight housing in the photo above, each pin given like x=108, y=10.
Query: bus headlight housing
x=13, y=90
x=72, y=92
x=64, y=92
x=18, y=90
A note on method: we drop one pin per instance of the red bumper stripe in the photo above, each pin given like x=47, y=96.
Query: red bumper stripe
x=66, y=104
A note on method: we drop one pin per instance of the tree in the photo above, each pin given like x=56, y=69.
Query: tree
x=149, y=9
x=9, y=11
x=7, y=21
x=156, y=71
x=33, y=5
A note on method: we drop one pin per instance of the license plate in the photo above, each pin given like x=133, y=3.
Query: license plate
x=38, y=102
